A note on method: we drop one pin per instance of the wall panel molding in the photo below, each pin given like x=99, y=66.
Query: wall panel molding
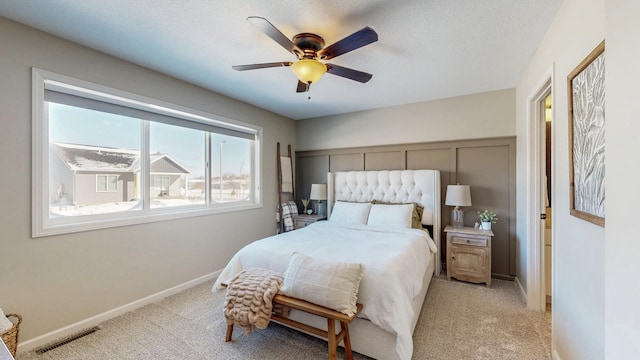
x=487, y=165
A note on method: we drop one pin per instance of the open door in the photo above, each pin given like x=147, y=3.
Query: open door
x=545, y=183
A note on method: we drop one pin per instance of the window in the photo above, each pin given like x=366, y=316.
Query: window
x=230, y=181
x=104, y=158
x=106, y=183
x=177, y=158
x=161, y=185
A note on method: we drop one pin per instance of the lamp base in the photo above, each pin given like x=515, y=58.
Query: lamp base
x=457, y=217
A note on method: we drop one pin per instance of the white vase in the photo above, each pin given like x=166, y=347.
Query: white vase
x=485, y=225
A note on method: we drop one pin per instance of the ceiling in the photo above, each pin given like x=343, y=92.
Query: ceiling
x=427, y=49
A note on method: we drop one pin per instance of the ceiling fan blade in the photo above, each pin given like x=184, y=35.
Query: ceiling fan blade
x=261, y=66
x=352, y=42
x=275, y=34
x=356, y=75
x=302, y=87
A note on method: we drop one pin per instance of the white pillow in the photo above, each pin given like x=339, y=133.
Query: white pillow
x=350, y=212
x=333, y=285
x=391, y=216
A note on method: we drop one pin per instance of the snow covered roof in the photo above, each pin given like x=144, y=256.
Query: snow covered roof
x=99, y=158
x=94, y=158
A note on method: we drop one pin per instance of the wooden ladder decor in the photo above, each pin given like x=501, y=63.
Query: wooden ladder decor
x=288, y=193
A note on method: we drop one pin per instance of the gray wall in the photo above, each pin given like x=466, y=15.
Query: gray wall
x=487, y=165
x=475, y=116
x=60, y=280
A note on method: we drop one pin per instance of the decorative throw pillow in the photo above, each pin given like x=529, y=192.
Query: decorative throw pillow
x=333, y=285
x=416, y=218
x=391, y=216
x=350, y=212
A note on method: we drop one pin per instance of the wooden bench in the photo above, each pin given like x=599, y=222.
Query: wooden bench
x=331, y=315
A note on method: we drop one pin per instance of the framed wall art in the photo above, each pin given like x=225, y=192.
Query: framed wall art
x=586, y=91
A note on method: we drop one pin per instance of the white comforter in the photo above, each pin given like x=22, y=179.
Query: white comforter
x=395, y=264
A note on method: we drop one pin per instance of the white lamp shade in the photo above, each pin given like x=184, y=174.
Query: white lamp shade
x=458, y=195
x=318, y=192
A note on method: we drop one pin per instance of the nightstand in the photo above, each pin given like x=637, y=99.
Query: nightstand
x=469, y=254
x=300, y=221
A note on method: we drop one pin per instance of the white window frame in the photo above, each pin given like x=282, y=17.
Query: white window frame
x=44, y=225
x=106, y=176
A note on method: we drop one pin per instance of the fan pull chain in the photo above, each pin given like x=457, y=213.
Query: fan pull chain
x=308, y=91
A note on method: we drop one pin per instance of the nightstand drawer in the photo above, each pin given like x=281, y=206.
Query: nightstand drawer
x=302, y=223
x=302, y=220
x=469, y=240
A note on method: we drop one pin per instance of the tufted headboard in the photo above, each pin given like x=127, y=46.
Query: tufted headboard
x=393, y=186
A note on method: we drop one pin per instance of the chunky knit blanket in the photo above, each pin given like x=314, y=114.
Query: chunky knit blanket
x=249, y=295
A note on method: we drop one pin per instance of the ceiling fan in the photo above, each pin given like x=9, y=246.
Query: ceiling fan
x=311, y=53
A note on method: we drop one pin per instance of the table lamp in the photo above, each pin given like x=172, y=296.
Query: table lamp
x=458, y=195
x=318, y=193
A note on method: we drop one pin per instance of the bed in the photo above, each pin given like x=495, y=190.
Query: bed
x=399, y=262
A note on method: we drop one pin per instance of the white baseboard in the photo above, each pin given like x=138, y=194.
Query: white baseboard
x=555, y=356
x=100, y=318
x=522, y=291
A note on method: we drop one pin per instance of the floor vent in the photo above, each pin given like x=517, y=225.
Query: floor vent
x=71, y=338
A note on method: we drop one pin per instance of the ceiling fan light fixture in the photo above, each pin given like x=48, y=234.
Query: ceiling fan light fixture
x=308, y=70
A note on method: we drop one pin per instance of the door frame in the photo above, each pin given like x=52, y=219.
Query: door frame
x=536, y=294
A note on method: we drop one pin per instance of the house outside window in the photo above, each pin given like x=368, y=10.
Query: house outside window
x=104, y=158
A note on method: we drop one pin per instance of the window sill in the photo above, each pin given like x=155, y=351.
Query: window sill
x=135, y=218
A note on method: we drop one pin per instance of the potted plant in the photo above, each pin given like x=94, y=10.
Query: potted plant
x=486, y=219
x=305, y=203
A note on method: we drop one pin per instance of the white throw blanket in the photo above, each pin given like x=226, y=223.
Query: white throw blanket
x=286, y=174
x=395, y=263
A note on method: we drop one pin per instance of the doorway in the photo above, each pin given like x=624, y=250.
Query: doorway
x=546, y=169
x=539, y=190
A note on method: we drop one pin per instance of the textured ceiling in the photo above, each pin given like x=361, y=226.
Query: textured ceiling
x=427, y=49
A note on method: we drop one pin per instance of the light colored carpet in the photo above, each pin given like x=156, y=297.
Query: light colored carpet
x=458, y=321
x=475, y=322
